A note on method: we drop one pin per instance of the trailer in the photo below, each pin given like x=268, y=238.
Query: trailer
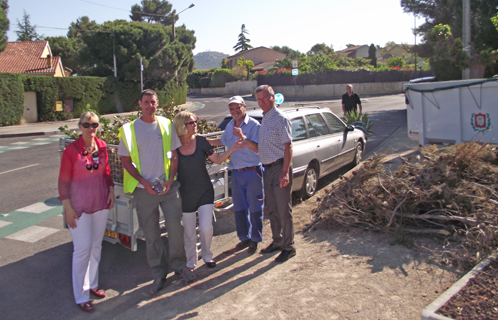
x=122, y=224
x=453, y=111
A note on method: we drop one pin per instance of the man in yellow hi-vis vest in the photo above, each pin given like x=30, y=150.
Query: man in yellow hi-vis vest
x=148, y=153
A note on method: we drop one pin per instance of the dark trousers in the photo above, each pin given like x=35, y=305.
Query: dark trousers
x=148, y=219
x=278, y=207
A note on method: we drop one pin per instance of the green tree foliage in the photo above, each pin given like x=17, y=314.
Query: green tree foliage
x=4, y=24
x=445, y=53
x=320, y=48
x=285, y=63
x=388, y=46
x=243, y=42
x=372, y=55
x=246, y=64
x=484, y=36
x=26, y=31
x=163, y=60
x=291, y=53
x=396, y=62
x=153, y=11
x=220, y=77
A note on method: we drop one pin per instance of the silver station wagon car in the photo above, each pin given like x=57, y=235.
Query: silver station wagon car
x=321, y=143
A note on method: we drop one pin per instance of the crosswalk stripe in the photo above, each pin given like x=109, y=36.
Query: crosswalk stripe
x=32, y=234
x=4, y=223
x=36, y=208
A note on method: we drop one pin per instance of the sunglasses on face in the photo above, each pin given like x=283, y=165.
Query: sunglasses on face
x=234, y=108
x=191, y=123
x=87, y=125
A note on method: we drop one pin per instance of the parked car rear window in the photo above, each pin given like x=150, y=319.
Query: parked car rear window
x=335, y=124
x=317, y=125
x=298, y=129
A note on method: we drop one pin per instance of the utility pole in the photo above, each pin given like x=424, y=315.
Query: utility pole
x=466, y=35
x=114, y=54
x=415, y=34
x=141, y=75
x=174, y=19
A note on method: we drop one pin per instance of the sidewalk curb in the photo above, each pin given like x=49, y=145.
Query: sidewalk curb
x=28, y=134
x=387, y=141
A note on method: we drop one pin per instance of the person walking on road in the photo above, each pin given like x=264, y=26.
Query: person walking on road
x=196, y=188
x=148, y=153
x=87, y=194
x=275, y=153
x=350, y=101
x=247, y=180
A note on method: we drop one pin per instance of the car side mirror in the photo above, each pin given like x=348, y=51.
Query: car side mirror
x=349, y=128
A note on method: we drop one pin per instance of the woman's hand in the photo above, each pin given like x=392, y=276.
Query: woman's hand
x=71, y=217
x=111, y=199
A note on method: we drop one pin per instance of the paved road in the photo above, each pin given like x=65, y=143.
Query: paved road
x=35, y=250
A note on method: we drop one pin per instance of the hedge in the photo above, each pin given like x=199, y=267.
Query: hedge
x=106, y=95
x=11, y=99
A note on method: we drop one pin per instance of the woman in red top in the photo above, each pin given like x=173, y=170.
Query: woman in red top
x=87, y=194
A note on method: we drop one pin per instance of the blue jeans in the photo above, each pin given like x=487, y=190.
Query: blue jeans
x=247, y=194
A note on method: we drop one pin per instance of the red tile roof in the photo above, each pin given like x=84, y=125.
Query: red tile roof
x=25, y=57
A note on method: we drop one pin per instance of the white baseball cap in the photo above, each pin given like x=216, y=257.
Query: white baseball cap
x=236, y=99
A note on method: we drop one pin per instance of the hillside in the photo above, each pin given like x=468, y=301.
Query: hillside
x=208, y=59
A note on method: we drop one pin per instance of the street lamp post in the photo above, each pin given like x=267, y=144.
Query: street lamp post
x=174, y=19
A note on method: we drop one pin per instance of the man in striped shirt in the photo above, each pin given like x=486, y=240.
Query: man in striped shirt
x=275, y=153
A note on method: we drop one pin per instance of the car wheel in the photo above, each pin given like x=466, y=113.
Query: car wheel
x=310, y=182
x=358, y=154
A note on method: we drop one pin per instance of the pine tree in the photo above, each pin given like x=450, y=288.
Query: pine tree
x=243, y=43
x=26, y=32
x=4, y=24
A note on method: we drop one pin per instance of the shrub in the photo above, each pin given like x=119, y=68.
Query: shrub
x=12, y=99
x=220, y=77
x=194, y=78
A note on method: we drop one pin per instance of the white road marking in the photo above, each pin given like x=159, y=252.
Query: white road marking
x=31, y=165
x=40, y=139
x=32, y=234
x=41, y=143
x=19, y=143
x=18, y=148
x=35, y=208
x=4, y=223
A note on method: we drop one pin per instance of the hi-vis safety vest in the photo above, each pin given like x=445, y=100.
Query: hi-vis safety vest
x=127, y=133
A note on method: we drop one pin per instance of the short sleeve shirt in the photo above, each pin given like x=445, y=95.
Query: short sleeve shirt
x=150, y=149
x=350, y=102
x=245, y=157
x=276, y=129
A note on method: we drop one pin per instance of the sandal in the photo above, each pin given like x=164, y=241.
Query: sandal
x=99, y=293
x=87, y=306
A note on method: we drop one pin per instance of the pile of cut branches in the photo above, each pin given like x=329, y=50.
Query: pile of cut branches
x=451, y=192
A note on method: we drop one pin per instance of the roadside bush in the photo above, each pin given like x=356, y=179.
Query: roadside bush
x=194, y=78
x=11, y=99
x=220, y=77
x=205, y=82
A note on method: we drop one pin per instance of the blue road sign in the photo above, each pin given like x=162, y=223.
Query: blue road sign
x=294, y=72
x=279, y=98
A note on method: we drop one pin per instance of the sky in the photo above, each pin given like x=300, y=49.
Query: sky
x=217, y=23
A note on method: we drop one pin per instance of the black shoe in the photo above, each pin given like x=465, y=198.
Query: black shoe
x=211, y=264
x=253, y=246
x=242, y=245
x=285, y=255
x=271, y=248
x=157, y=285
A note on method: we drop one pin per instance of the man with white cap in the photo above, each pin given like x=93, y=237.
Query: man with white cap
x=247, y=181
